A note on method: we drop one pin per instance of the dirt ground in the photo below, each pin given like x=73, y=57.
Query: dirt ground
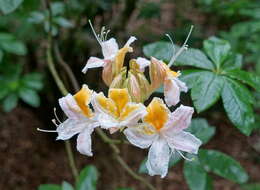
x=29, y=158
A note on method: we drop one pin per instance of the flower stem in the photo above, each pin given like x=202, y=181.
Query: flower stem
x=62, y=89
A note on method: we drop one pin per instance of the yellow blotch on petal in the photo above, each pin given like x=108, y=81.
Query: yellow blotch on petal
x=107, y=105
x=173, y=73
x=157, y=114
x=128, y=109
x=119, y=60
x=120, y=97
x=83, y=98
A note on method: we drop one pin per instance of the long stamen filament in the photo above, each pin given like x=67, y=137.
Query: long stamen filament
x=189, y=159
x=55, y=114
x=95, y=34
x=47, y=131
x=184, y=47
x=173, y=47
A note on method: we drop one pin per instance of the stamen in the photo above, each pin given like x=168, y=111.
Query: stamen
x=47, y=131
x=189, y=159
x=173, y=47
x=55, y=114
x=54, y=122
x=95, y=34
x=106, y=34
x=184, y=47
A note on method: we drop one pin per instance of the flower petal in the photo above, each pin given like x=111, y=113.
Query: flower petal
x=84, y=141
x=129, y=41
x=106, y=121
x=83, y=98
x=184, y=141
x=120, y=97
x=138, y=137
x=158, y=114
x=109, y=48
x=93, y=62
x=132, y=113
x=104, y=105
x=178, y=120
x=142, y=62
x=158, y=158
x=70, y=127
x=171, y=92
x=70, y=107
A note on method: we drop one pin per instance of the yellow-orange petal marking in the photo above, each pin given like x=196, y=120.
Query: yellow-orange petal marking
x=128, y=109
x=157, y=114
x=107, y=105
x=82, y=98
x=120, y=98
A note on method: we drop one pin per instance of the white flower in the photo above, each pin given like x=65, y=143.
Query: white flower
x=142, y=63
x=81, y=120
x=117, y=110
x=162, y=131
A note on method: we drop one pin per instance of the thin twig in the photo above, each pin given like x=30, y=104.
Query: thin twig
x=66, y=67
x=63, y=90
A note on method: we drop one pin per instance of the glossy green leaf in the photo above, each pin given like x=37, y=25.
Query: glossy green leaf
x=195, y=58
x=33, y=80
x=190, y=76
x=222, y=165
x=253, y=186
x=247, y=77
x=87, y=179
x=201, y=129
x=10, y=102
x=217, y=49
x=49, y=187
x=66, y=186
x=196, y=177
x=36, y=17
x=207, y=90
x=29, y=96
x=237, y=103
x=57, y=8
x=8, y=6
x=234, y=61
x=159, y=50
x=63, y=22
x=15, y=47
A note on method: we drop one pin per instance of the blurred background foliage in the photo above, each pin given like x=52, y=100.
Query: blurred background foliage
x=222, y=63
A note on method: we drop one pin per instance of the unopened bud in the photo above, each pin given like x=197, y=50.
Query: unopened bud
x=157, y=73
x=107, y=74
x=134, y=88
x=118, y=81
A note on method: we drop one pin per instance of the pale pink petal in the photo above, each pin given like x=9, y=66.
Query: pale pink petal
x=70, y=107
x=171, y=92
x=129, y=41
x=142, y=62
x=84, y=141
x=109, y=48
x=178, y=120
x=184, y=141
x=158, y=158
x=183, y=87
x=93, y=62
x=139, y=138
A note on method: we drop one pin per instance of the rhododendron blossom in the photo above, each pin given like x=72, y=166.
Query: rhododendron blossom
x=123, y=110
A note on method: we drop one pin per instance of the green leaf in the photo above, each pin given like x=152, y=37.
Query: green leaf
x=3, y=92
x=15, y=47
x=159, y=50
x=247, y=77
x=234, y=61
x=66, y=186
x=196, y=177
x=36, y=17
x=253, y=186
x=8, y=6
x=62, y=22
x=10, y=102
x=201, y=129
x=190, y=76
x=6, y=37
x=222, y=165
x=207, y=90
x=237, y=102
x=33, y=80
x=29, y=96
x=217, y=49
x=1, y=56
x=49, y=187
x=87, y=178
x=57, y=8
x=195, y=58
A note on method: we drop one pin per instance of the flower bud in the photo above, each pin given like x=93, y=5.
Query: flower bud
x=157, y=73
x=133, y=87
x=118, y=81
x=107, y=74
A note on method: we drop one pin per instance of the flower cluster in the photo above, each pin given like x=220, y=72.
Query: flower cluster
x=154, y=127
